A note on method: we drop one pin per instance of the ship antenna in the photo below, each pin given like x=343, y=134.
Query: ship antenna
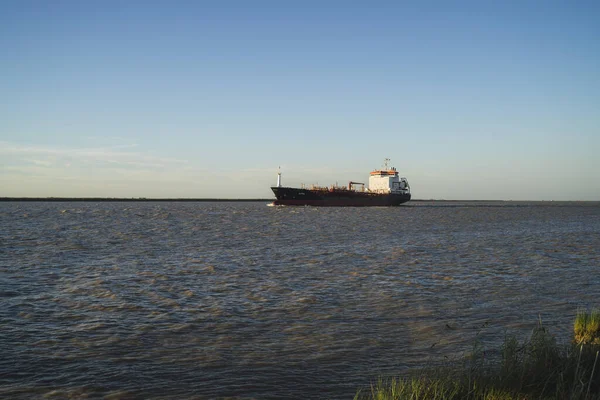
x=279, y=177
x=385, y=161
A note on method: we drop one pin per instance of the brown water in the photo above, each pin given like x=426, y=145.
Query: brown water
x=205, y=300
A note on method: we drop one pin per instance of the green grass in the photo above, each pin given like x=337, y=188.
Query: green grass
x=537, y=368
x=587, y=327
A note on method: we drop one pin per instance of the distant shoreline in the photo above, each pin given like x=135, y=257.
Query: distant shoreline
x=121, y=199
x=144, y=199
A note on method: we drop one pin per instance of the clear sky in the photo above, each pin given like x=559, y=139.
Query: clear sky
x=470, y=100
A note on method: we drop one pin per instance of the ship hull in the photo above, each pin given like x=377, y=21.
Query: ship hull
x=324, y=198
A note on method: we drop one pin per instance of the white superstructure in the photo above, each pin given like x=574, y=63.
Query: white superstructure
x=387, y=180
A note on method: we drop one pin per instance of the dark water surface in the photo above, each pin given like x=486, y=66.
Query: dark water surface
x=205, y=300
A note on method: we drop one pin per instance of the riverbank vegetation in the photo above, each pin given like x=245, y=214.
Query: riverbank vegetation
x=537, y=368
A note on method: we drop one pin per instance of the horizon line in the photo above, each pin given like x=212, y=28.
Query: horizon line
x=224, y=199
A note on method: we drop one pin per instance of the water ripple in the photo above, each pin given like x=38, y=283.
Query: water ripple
x=204, y=300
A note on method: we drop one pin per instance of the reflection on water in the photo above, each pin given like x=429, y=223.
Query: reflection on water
x=204, y=300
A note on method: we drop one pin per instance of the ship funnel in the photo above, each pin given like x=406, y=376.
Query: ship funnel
x=279, y=177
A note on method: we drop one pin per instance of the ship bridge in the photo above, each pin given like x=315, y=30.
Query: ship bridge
x=387, y=180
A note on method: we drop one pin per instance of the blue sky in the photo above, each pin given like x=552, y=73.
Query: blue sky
x=470, y=100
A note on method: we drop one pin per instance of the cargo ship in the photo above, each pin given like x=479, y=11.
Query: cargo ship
x=386, y=188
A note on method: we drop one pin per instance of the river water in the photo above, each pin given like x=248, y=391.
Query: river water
x=171, y=300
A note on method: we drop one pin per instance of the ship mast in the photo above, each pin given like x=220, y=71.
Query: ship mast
x=279, y=177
